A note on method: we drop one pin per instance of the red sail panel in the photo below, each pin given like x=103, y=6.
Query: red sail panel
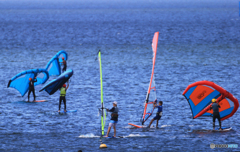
x=151, y=94
x=200, y=93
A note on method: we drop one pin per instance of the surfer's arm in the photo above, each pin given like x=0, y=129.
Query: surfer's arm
x=154, y=105
x=111, y=110
x=211, y=108
x=67, y=86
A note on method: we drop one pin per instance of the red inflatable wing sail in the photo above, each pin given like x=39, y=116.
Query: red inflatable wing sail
x=200, y=95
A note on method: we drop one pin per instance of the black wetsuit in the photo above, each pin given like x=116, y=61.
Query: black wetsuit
x=62, y=98
x=31, y=88
x=64, y=66
x=114, y=115
x=216, y=114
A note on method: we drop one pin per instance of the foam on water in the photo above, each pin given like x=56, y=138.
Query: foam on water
x=89, y=135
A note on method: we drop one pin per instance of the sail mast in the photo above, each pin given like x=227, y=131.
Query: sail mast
x=103, y=113
x=102, y=105
x=154, y=48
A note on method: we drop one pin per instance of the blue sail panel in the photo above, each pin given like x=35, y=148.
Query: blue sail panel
x=54, y=68
x=21, y=81
x=54, y=65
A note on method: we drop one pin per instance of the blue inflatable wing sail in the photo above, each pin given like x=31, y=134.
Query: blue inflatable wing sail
x=21, y=81
x=57, y=83
x=54, y=65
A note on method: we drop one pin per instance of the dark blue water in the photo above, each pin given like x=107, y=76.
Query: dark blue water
x=199, y=40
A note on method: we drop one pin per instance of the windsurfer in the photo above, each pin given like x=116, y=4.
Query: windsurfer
x=215, y=106
x=62, y=97
x=114, y=118
x=31, y=88
x=159, y=113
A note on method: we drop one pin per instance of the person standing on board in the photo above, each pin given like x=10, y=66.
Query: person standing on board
x=64, y=62
x=215, y=107
x=114, y=118
x=159, y=113
x=31, y=88
x=63, y=97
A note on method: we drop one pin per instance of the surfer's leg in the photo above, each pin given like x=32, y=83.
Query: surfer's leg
x=158, y=120
x=109, y=128
x=65, y=106
x=64, y=69
x=34, y=96
x=151, y=123
x=219, y=121
x=60, y=100
x=29, y=91
x=214, y=117
x=114, y=127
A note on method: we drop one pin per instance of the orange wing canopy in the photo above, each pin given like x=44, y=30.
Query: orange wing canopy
x=200, y=94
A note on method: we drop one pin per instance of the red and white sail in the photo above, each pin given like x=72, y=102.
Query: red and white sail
x=151, y=93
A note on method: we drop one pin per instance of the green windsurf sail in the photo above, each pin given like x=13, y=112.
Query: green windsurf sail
x=102, y=109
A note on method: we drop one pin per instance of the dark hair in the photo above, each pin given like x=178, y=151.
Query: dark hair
x=160, y=102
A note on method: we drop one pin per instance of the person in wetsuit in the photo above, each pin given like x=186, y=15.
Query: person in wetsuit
x=31, y=88
x=64, y=65
x=114, y=118
x=215, y=107
x=63, y=97
x=159, y=113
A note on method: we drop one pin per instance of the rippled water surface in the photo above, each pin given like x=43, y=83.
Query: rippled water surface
x=198, y=40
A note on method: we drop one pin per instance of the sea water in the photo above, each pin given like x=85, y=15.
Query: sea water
x=198, y=40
